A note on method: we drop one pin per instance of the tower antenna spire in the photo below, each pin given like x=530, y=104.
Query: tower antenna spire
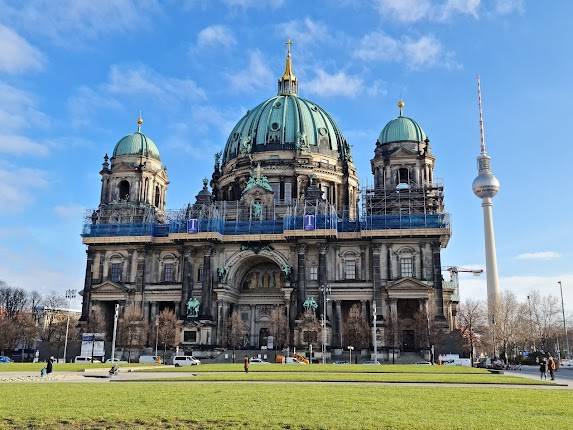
x=139, y=122
x=288, y=83
x=481, y=129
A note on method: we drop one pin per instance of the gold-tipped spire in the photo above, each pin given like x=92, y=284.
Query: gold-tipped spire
x=400, y=105
x=139, y=122
x=287, y=82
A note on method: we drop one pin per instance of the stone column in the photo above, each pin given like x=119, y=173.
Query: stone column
x=186, y=279
x=438, y=282
x=364, y=309
x=219, y=322
x=252, y=326
x=394, y=264
x=87, y=286
x=301, y=278
x=376, y=281
x=383, y=261
x=129, y=264
x=418, y=264
x=322, y=277
x=395, y=326
x=338, y=331
x=427, y=262
x=140, y=276
x=206, y=286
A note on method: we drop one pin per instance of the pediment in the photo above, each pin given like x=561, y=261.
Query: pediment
x=109, y=287
x=403, y=152
x=407, y=284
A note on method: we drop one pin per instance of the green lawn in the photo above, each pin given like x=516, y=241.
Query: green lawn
x=59, y=367
x=442, y=378
x=280, y=406
x=336, y=368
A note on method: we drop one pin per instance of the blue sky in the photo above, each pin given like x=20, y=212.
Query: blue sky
x=74, y=74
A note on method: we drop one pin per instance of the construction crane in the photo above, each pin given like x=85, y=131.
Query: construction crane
x=454, y=279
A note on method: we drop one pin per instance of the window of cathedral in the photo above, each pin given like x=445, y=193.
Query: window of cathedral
x=349, y=268
x=200, y=274
x=157, y=197
x=189, y=336
x=124, y=190
x=313, y=276
x=169, y=272
x=406, y=267
x=403, y=176
x=116, y=269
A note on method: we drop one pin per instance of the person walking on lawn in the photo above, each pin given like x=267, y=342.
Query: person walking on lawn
x=246, y=364
x=551, y=365
x=543, y=368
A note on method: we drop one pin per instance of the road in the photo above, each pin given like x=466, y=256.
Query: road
x=563, y=376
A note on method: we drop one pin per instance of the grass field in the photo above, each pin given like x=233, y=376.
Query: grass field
x=437, y=378
x=280, y=406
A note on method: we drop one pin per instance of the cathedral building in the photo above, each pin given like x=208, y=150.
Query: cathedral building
x=281, y=228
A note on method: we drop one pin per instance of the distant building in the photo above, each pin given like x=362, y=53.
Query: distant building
x=283, y=225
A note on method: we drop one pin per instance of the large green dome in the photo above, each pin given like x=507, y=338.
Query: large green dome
x=286, y=122
x=402, y=129
x=136, y=144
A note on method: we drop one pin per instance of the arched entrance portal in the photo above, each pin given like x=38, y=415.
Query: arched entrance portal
x=263, y=300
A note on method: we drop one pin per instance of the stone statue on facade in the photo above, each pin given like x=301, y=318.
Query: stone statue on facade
x=193, y=308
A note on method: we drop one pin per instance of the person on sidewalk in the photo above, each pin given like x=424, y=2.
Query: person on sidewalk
x=49, y=366
x=551, y=365
x=246, y=364
x=543, y=368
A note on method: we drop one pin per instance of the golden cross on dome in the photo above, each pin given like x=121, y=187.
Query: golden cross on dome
x=289, y=43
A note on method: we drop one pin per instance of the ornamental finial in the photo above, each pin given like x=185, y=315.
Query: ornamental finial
x=139, y=122
x=400, y=105
x=288, y=83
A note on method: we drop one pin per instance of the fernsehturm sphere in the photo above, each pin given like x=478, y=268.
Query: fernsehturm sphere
x=486, y=186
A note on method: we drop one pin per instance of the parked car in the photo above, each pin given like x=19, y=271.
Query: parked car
x=293, y=360
x=80, y=359
x=115, y=361
x=341, y=362
x=258, y=361
x=371, y=362
x=150, y=359
x=423, y=363
x=4, y=359
x=185, y=360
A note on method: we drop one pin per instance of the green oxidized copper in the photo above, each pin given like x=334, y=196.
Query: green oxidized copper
x=310, y=304
x=193, y=308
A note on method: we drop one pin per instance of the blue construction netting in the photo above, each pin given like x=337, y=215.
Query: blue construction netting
x=318, y=222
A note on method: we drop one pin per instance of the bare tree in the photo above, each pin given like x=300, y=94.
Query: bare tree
x=35, y=301
x=545, y=315
x=357, y=328
x=472, y=318
x=53, y=306
x=279, y=326
x=167, y=330
x=236, y=332
x=131, y=331
x=310, y=327
x=8, y=334
x=12, y=300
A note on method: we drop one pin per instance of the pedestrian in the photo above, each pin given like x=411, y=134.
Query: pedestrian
x=543, y=368
x=551, y=365
x=49, y=365
x=246, y=364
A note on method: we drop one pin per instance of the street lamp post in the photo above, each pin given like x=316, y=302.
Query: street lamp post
x=350, y=348
x=156, y=334
x=375, y=340
x=115, y=316
x=70, y=294
x=564, y=323
x=325, y=298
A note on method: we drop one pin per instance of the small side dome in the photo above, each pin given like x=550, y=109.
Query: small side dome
x=402, y=129
x=137, y=144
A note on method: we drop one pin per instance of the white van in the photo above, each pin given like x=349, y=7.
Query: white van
x=185, y=360
x=80, y=359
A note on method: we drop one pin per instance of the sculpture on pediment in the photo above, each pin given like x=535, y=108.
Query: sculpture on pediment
x=193, y=308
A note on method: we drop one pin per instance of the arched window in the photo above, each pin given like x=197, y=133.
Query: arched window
x=124, y=190
x=157, y=192
x=403, y=176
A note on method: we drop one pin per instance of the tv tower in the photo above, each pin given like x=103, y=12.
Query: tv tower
x=486, y=186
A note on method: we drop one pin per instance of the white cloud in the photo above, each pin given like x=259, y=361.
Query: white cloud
x=21, y=145
x=69, y=22
x=417, y=10
x=72, y=211
x=17, y=55
x=541, y=255
x=85, y=103
x=214, y=36
x=377, y=88
x=18, y=109
x=305, y=31
x=18, y=185
x=504, y=7
x=255, y=76
x=426, y=51
x=336, y=84
x=143, y=80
